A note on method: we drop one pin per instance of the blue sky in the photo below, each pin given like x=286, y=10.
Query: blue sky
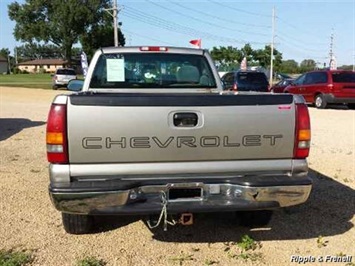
x=302, y=28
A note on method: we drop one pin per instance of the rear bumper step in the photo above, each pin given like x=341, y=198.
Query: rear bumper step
x=148, y=199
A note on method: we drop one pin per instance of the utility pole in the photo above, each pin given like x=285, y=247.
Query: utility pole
x=114, y=13
x=272, y=46
x=15, y=52
x=332, y=61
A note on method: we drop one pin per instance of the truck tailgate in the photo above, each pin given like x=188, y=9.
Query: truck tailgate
x=115, y=128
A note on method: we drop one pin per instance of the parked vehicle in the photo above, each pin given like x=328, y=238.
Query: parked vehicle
x=281, y=85
x=325, y=87
x=247, y=80
x=168, y=141
x=62, y=76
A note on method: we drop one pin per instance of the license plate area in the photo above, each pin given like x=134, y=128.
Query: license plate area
x=185, y=194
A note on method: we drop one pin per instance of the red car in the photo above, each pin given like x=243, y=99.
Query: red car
x=281, y=85
x=324, y=87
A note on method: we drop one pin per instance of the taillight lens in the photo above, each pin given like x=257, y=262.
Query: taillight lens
x=153, y=48
x=56, y=137
x=235, y=87
x=302, y=133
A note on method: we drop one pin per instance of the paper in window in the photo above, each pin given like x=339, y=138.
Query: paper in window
x=115, y=70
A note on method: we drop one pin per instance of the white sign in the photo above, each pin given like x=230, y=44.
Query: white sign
x=115, y=70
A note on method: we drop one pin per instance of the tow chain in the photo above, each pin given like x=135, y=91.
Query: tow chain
x=163, y=215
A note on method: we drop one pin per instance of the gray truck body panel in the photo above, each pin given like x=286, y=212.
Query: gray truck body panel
x=127, y=148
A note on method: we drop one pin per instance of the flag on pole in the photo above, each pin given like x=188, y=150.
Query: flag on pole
x=244, y=65
x=84, y=63
x=196, y=43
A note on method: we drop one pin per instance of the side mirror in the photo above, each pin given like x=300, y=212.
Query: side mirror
x=75, y=85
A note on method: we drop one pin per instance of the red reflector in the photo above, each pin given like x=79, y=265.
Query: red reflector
x=302, y=132
x=57, y=123
x=153, y=48
x=57, y=157
x=284, y=107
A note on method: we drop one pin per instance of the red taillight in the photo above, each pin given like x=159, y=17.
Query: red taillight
x=56, y=137
x=235, y=87
x=302, y=133
x=154, y=48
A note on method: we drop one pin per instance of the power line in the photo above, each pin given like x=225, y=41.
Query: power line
x=298, y=46
x=149, y=38
x=222, y=19
x=301, y=51
x=239, y=10
x=200, y=20
x=175, y=27
x=297, y=28
x=302, y=41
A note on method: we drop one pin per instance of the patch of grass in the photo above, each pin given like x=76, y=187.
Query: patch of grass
x=182, y=258
x=247, y=243
x=321, y=242
x=257, y=256
x=40, y=81
x=211, y=262
x=35, y=171
x=246, y=246
x=346, y=180
x=91, y=261
x=15, y=258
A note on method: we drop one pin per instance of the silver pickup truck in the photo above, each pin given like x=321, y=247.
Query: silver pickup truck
x=151, y=132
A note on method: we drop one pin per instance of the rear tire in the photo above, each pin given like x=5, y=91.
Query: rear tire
x=77, y=224
x=254, y=218
x=54, y=87
x=351, y=106
x=320, y=102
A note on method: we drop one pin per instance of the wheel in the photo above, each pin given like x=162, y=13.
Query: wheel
x=351, y=106
x=254, y=218
x=76, y=223
x=54, y=87
x=320, y=102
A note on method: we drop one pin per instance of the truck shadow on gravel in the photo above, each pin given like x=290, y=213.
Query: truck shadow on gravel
x=12, y=126
x=327, y=212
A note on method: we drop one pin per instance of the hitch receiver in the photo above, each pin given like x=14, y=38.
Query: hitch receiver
x=186, y=219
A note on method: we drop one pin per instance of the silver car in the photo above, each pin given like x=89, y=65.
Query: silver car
x=62, y=76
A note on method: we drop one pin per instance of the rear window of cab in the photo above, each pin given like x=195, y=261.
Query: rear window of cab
x=153, y=70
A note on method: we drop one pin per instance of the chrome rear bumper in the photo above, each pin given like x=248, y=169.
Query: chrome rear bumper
x=148, y=199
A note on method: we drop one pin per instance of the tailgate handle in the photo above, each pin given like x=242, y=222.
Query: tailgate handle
x=185, y=119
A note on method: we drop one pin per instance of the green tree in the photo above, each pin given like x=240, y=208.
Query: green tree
x=227, y=57
x=56, y=21
x=263, y=57
x=248, y=52
x=38, y=51
x=5, y=52
x=289, y=66
x=100, y=35
x=307, y=65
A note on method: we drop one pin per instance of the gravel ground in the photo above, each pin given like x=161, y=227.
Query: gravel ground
x=323, y=226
